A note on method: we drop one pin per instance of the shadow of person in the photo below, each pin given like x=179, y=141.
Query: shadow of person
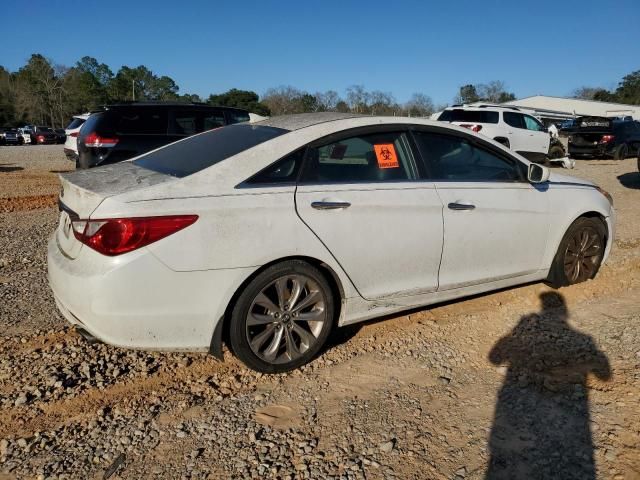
x=541, y=427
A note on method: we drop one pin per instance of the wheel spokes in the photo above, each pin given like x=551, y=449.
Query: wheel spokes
x=285, y=318
x=260, y=339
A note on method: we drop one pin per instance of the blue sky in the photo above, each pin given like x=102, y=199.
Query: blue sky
x=536, y=47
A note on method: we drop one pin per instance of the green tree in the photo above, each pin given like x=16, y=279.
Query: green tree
x=244, y=99
x=628, y=90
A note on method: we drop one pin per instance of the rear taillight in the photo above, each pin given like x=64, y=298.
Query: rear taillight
x=472, y=127
x=41, y=138
x=607, y=138
x=73, y=134
x=115, y=236
x=95, y=140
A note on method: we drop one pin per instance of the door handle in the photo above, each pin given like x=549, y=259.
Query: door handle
x=329, y=205
x=460, y=206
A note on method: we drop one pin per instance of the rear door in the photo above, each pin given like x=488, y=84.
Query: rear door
x=363, y=196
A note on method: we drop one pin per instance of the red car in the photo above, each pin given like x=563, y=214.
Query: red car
x=43, y=135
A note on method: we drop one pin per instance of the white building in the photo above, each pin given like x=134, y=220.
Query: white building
x=575, y=107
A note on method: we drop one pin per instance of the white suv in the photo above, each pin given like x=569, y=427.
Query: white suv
x=508, y=125
x=72, y=131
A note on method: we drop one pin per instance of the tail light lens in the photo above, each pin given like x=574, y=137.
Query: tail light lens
x=95, y=140
x=607, y=138
x=73, y=134
x=472, y=127
x=115, y=236
x=41, y=137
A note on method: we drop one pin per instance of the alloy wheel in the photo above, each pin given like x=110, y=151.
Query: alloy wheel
x=583, y=254
x=285, y=319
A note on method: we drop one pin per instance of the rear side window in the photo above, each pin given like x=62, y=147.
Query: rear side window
x=451, y=158
x=237, y=116
x=514, y=119
x=379, y=157
x=284, y=170
x=141, y=121
x=473, y=116
x=196, y=153
x=75, y=123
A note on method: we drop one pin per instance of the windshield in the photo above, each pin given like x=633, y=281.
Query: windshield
x=201, y=151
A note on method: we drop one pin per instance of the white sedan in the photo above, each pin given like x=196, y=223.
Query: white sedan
x=270, y=235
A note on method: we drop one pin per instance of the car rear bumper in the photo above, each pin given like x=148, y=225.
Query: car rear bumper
x=591, y=150
x=135, y=301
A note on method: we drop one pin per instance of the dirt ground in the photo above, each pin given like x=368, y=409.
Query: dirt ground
x=523, y=383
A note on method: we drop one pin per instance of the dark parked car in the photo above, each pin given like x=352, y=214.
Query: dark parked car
x=604, y=137
x=126, y=130
x=9, y=136
x=43, y=135
x=61, y=136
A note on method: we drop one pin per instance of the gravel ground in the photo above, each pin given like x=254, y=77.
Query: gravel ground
x=497, y=386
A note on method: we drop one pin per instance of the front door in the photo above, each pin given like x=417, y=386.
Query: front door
x=495, y=223
x=363, y=198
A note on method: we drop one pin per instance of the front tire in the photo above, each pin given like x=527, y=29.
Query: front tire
x=282, y=318
x=580, y=253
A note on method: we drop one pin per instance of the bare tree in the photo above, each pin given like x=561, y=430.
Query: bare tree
x=419, y=105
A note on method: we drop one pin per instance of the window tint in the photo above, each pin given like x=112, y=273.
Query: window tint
x=196, y=153
x=513, y=119
x=142, y=121
x=455, y=159
x=474, y=116
x=376, y=157
x=184, y=123
x=533, y=124
x=236, y=116
x=75, y=123
x=213, y=120
x=283, y=171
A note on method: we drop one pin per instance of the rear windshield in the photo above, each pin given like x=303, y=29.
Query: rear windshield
x=474, y=116
x=201, y=151
x=45, y=129
x=75, y=123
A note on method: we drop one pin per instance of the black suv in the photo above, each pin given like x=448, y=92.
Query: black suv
x=604, y=137
x=126, y=130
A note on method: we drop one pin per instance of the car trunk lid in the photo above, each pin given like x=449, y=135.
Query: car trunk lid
x=590, y=130
x=84, y=190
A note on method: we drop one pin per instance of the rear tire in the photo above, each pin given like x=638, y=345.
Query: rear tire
x=621, y=152
x=580, y=253
x=282, y=318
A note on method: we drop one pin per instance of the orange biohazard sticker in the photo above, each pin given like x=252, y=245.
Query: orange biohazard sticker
x=386, y=155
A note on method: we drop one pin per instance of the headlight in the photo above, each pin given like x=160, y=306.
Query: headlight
x=606, y=194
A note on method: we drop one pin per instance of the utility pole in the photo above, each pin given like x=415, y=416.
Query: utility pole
x=133, y=89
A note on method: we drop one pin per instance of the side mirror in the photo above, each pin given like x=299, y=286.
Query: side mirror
x=538, y=173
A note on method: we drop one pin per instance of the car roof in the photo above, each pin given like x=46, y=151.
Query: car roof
x=303, y=120
x=168, y=105
x=483, y=107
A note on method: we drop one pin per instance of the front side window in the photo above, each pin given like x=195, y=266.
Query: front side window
x=378, y=157
x=513, y=119
x=452, y=158
x=533, y=124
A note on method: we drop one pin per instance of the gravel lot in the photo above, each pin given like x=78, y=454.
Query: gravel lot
x=497, y=386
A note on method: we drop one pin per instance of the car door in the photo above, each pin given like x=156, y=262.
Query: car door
x=495, y=222
x=539, y=139
x=362, y=195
